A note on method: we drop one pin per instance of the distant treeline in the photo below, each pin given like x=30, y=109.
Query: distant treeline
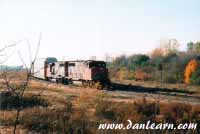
x=165, y=64
x=10, y=68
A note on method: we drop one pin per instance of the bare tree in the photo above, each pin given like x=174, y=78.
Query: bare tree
x=4, y=72
x=22, y=84
x=168, y=46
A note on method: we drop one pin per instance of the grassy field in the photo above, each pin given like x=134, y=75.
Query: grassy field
x=55, y=108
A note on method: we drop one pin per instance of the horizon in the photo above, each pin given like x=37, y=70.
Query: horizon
x=78, y=29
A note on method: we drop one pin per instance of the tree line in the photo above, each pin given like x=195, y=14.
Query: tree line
x=166, y=63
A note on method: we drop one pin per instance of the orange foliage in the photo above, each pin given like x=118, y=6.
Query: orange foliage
x=140, y=75
x=190, y=68
x=122, y=74
x=143, y=74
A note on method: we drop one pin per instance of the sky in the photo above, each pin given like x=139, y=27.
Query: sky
x=79, y=29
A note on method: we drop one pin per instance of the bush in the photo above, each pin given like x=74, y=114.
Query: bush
x=144, y=74
x=103, y=108
x=167, y=78
x=195, y=77
x=12, y=101
x=120, y=61
x=146, y=108
x=180, y=110
x=131, y=62
x=137, y=61
x=51, y=119
x=121, y=74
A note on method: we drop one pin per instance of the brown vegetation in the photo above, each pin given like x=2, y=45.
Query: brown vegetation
x=77, y=110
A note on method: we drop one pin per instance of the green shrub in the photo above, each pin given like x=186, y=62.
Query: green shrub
x=137, y=61
x=195, y=78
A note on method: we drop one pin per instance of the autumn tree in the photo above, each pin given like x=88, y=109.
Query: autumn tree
x=120, y=61
x=169, y=46
x=157, y=52
x=190, y=68
x=190, y=46
x=137, y=61
x=197, y=47
x=193, y=47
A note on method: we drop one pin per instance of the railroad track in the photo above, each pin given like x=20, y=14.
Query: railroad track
x=135, y=92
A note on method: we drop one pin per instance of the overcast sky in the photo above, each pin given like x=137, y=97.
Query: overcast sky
x=78, y=29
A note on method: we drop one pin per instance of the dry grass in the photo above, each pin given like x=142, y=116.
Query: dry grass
x=77, y=110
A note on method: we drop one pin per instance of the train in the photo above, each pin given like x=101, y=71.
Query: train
x=88, y=72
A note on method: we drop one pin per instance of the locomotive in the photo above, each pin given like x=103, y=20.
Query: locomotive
x=88, y=72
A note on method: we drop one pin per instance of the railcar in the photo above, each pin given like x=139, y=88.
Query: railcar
x=40, y=66
x=87, y=72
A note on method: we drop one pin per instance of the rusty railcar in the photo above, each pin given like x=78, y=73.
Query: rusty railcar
x=88, y=71
x=40, y=66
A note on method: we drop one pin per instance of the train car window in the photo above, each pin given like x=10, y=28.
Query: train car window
x=71, y=64
x=103, y=65
x=97, y=64
x=62, y=65
x=91, y=65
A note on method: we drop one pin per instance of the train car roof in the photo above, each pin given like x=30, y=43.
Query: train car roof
x=82, y=61
x=47, y=59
